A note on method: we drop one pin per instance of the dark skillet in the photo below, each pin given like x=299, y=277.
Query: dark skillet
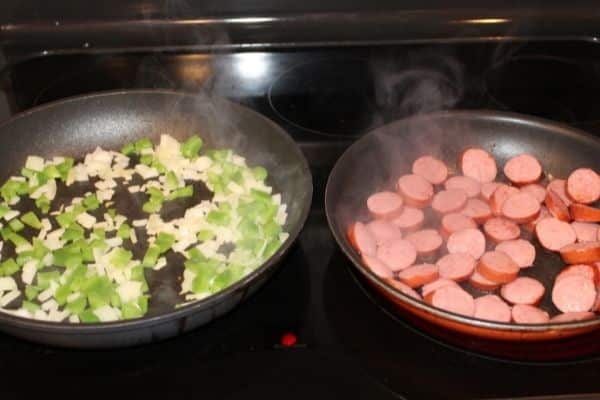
x=376, y=160
x=75, y=126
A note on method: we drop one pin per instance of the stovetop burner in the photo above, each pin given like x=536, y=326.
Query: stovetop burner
x=349, y=344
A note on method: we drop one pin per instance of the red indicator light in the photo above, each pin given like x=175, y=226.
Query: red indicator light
x=288, y=339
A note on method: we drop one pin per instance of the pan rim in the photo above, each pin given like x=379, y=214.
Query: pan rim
x=194, y=306
x=484, y=114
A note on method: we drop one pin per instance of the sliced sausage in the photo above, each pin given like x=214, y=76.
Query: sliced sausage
x=430, y=168
x=499, y=196
x=544, y=213
x=574, y=293
x=521, y=208
x=384, y=204
x=397, y=254
x=554, y=234
x=361, y=238
x=585, y=270
x=402, y=287
x=447, y=201
x=500, y=229
x=377, y=266
x=415, y=190
x=523, y=169
x=491, y=308
x=457, y=266
x=469, y=241
x=556, y=206
x=478, y=164
x=384, y=231
x=535, y=190
x=498, y=267
x=583, y=186
x=573, y=316
x=559, y=186
x=581, y=253
x=521, y=251
x=583, y=213
x=426, y=242
x=523, y=290
x=585, y=231
x=454, y=299
x=480, y=282
x=428, y=289
x=477, y=209
x=526, y=314
x=469, y=185
x=488, y=189
x=454, y=222
x=410, y=219
x=418, y=275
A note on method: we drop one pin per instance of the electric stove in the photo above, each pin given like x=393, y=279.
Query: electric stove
x=315, y=329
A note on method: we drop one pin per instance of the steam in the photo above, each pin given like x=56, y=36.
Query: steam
x=413, y=85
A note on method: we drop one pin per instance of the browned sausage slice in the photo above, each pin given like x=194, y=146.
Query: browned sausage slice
x=500, y=229
x=499, y=196
x=454, y=299
x=581, y=253
x=477, y=209
x=535, y=190
x=521, y=251
x=498, y=267
x=481, y=282
x=378, y=267
x=585, y=231
x=478, y=164
x=573, y=316
x=418, y=275
x=556, y=206
x=521, y=208
x=361, y=239
x=583, y=186
x=523, y=290
x=554, y=234
x=384, y=204
x=447, y=201
x=491, y=308
x=559, y=186
x=410, y=219
x=430, y=168
x=397, y=254
x=426, y=241
x=526, y=314
x=581, y=212
x=469, y=241
x=469, y=185
x=428, y=289
x=384, y=231
x=454, y=222
x=574, y=293
x=457, y=266
x=488, y=189
x=403, y=288
x=523, y=169
x=415, y=190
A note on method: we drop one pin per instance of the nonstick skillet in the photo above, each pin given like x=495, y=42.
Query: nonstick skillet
x=78, y=125
x=377, y=159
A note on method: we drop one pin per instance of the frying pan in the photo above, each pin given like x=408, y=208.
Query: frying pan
x=75, y=126
x=375, y=161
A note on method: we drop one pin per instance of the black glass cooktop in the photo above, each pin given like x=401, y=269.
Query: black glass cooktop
x=314, y=329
